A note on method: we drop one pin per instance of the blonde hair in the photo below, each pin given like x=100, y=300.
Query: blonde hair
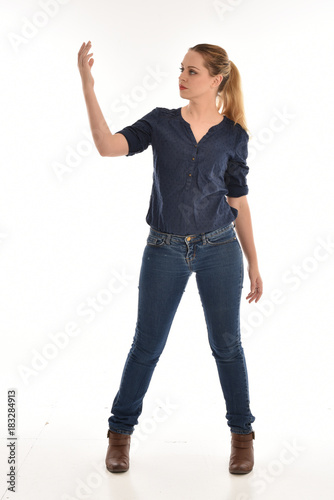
x=230, y=101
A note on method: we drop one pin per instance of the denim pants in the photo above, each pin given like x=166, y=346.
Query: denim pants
x=167, y=263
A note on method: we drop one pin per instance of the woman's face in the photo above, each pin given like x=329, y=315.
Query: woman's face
x=195, y=80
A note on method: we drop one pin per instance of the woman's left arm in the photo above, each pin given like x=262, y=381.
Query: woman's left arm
x=244, y=229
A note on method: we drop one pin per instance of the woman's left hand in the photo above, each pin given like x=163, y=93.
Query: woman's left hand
x=255, y=283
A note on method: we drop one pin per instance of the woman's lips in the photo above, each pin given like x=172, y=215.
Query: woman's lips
x=182, y=87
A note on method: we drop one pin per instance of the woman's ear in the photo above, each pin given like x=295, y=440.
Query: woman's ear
x=217, y=80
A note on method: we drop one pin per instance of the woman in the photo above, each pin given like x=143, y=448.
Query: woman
x=198, y=207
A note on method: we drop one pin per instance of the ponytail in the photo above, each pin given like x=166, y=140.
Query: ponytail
x=230, y=101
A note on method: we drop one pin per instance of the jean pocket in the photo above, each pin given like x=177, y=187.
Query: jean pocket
x=155, y=241
x=222, y=238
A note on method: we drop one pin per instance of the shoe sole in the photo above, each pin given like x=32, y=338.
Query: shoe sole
x=116, y=471
x=240, y=471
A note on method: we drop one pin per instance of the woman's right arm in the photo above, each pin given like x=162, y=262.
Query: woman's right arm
x=107, y=144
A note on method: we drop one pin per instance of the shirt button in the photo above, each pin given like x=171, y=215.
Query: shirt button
x=189, y=175
x=193, y=157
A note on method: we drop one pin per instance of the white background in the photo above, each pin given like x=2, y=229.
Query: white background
x=65, y=237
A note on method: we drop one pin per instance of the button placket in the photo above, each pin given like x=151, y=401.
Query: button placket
x=191, y=169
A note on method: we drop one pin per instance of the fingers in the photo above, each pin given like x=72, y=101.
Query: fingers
x=255, y=293
x=83, y=52
x=85, y=46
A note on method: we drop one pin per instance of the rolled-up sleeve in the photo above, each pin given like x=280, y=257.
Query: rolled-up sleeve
x=237, y=168
x=139, y=134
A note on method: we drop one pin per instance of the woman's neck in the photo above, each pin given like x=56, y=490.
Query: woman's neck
x=201, y=112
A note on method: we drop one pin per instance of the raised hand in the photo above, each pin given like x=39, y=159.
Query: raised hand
x=85, y=63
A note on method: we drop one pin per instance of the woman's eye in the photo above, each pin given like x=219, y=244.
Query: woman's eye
x=191, y=71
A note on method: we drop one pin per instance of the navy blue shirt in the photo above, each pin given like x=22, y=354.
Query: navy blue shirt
x=190, y=179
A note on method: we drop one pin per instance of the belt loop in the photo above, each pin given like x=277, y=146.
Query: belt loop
x=203, y=239
x=168, y=239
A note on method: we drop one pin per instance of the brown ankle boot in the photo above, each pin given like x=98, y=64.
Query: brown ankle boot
x=117, y=459
x=242, y=453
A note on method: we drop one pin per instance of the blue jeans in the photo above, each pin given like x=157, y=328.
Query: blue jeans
x=168, y=261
